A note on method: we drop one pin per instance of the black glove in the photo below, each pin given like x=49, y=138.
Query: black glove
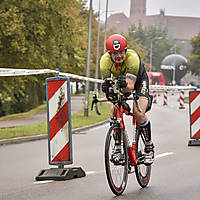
x=106, y=85
x=121, y=82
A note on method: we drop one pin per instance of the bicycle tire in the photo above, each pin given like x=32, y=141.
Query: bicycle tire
x=117, y=184
x=143, y=172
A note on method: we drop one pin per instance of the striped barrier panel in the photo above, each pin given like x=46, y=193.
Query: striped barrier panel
x=59, y=131
x=194, y=110
x=165, y=98
x=59, y=121
x=181, y=100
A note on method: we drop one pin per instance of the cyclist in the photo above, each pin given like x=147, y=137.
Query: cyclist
x=126, y=65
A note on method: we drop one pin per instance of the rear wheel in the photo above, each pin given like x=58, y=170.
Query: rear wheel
x=116, y=167
x=142, y=171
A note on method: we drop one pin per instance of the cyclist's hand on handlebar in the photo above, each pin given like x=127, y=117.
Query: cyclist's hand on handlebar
x=121, y=82
x=107, y=84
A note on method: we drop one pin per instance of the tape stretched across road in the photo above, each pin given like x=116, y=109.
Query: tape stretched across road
x=81, y=77
x=22, y=72
x=164, y=87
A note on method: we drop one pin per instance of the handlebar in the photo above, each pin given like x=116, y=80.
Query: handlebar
x=120, y=100
x=115, y=96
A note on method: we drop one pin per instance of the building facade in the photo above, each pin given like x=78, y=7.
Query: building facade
x=182, y=28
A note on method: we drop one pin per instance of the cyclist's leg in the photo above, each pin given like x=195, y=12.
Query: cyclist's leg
x=141, y=117
x=145, y=127
x=113, y=114
x=117, y=132
x=142, y=90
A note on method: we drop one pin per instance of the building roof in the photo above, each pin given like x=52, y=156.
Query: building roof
x=179, y=27
x=119, y=22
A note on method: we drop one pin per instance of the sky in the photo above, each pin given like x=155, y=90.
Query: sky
x=189, y=8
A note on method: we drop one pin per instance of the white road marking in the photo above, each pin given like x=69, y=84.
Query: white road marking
x=42, y=182
x=96, y=172
x=90, y=172
x=164, y=154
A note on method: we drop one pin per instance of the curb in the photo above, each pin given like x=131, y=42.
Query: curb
x=45, y=136
x=78, y=130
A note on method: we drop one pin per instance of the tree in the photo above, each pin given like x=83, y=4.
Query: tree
x=194, y=58
x=161, y=48
x=29, y=39
x=40, y=34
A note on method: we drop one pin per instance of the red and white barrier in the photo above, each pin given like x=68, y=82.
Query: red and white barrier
x=165, y=98
x=59, y=131
x=181, y=100
x=194, y=105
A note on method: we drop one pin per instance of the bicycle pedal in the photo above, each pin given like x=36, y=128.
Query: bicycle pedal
x=141, y=158
x=118, y=162
x=149, y=159
x=140, y=162
x=117, y=159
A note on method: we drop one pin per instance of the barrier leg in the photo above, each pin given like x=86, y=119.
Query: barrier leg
x=60, y=174
x=194, y=142
x=59, y=132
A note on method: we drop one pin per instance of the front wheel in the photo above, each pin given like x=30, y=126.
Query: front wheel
x=142, y=171
x=116, y=161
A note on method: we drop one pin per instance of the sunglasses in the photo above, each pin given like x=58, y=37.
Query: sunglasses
x=117, y=52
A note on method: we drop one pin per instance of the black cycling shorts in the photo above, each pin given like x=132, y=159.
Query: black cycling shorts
x=142, y=86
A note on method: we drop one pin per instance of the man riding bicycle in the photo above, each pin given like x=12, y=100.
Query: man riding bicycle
x=126, y=65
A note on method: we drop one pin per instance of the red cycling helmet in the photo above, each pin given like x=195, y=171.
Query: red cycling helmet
x=115, y=43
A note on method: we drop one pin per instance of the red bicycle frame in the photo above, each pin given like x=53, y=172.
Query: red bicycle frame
x=131, y=148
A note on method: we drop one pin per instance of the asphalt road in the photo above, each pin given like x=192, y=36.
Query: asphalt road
x=174, y=173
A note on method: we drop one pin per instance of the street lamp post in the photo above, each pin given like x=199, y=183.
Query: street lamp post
x=97, y=57
x=151, y=48
x=105, y=37
x=174, y=74
x=105, y=28
x=88, y=63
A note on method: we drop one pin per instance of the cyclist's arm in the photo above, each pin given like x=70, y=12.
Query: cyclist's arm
x=130, y=80
x=133, y=64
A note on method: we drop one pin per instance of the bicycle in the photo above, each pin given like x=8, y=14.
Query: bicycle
x=131, y=155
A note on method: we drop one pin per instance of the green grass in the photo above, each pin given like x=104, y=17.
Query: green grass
x=78, y=120
x=39, y=109
x=21, y=131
